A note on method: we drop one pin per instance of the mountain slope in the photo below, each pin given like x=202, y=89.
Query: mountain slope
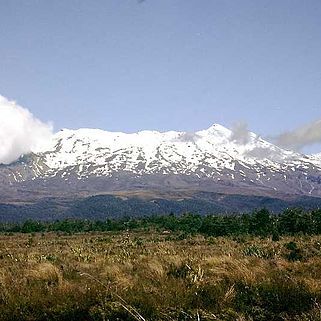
x=148, y=152
x=150, y=164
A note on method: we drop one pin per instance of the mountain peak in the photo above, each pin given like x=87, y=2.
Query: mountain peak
x=214, y=157
x=217, y=128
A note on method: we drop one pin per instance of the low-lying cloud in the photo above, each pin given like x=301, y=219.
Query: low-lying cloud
x=300, y=137
x=188, y=137
x=20, y=131
x=296, y=139
x=240, y=133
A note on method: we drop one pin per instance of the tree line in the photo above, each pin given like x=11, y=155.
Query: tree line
x=258, y=223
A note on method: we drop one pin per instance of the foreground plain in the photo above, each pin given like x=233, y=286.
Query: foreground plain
x=158, y=275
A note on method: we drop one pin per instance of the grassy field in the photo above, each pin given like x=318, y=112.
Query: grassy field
x=158, y=276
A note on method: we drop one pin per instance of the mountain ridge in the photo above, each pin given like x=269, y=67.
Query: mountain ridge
x=87, y=162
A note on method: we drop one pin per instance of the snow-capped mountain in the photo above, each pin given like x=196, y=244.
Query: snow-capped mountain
x=211, y=159
x=203, y=153
x=316, y=158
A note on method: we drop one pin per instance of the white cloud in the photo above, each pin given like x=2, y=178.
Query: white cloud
x=300, y=137
x=20, y=131
x=240, y=133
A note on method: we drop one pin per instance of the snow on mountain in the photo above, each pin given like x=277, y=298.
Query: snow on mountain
x=316, y=158
x=214, y=156
x=152, y=151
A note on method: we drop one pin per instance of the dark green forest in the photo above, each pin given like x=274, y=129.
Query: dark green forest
x=259, y=223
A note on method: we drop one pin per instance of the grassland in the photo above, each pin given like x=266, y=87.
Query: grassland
x=149, y=275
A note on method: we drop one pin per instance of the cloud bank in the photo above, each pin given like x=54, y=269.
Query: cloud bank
x=240, y=133
x=296, y=139
x=20, y=131
x=300, y=137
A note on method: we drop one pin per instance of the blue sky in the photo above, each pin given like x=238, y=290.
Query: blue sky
x=122, y=65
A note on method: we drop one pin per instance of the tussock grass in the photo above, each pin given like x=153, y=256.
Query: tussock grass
x=155, y=276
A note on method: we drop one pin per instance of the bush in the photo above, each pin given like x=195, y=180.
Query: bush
x=270, y=299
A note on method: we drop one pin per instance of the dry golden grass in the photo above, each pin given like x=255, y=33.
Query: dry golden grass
x=152, y=276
